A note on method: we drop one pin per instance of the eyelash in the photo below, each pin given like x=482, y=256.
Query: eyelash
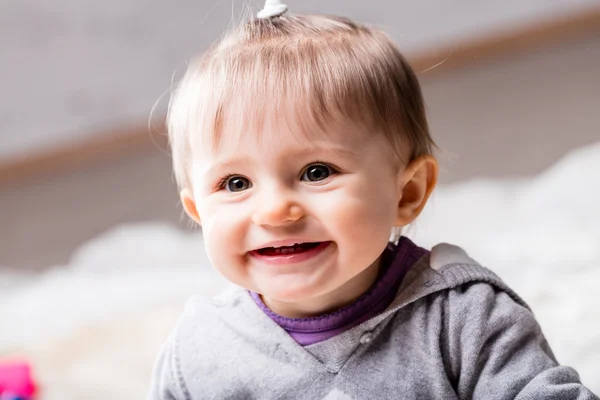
x=223, y=181
x=333, y=168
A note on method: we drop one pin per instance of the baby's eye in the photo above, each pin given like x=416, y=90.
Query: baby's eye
x=236, y=184
x=316, y=173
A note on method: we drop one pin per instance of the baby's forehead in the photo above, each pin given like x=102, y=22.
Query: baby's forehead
x=278, y=135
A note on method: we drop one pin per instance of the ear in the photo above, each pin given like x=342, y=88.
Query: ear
x=416, y=182
x=189, y=205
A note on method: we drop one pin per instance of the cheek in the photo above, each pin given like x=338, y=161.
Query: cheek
x=364, y=215
x=224, y=238
x=223, y=232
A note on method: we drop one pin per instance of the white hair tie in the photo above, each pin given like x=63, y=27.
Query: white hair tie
x=273, y=8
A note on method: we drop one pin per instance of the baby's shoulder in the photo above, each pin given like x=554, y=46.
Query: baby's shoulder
x=208, y=326
x=204, y=312
x=488, y=338
x=448, y=282
x=467, y=291
x=449, y=269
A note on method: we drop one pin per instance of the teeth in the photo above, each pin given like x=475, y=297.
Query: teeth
x=295, y=245
x=285, y=249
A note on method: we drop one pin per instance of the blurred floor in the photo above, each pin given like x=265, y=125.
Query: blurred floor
x=510, y=116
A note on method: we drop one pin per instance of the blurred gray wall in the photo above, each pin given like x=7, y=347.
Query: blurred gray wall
x=73, y=68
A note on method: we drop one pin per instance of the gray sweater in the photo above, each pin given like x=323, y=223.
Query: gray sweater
x=454, y=331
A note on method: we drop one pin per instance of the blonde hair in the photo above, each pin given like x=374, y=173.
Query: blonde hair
x=326, y=69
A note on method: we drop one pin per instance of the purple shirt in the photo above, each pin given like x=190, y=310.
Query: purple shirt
x=395, y=262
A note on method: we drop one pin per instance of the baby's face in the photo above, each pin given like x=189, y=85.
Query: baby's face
x=300, y=220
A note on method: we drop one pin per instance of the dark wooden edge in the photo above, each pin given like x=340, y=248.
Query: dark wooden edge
x=135, y=139
x=115, y=143
x=518, y=39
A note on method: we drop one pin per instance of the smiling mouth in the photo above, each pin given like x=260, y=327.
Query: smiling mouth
x=286, y=250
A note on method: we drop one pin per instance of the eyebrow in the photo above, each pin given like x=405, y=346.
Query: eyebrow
x=227, y=165
x=232, y=163
x=325, y=149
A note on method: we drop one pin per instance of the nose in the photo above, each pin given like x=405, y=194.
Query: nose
x=277, y=207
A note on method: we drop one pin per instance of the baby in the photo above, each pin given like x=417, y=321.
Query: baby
x=300, y=144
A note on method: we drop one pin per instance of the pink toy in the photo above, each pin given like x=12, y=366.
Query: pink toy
x=16, y=380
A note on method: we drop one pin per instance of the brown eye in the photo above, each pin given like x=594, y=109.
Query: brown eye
x=316, y=173
x=237, y=184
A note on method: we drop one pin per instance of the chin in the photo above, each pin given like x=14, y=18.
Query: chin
x=290, y=296
x=294, y=295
